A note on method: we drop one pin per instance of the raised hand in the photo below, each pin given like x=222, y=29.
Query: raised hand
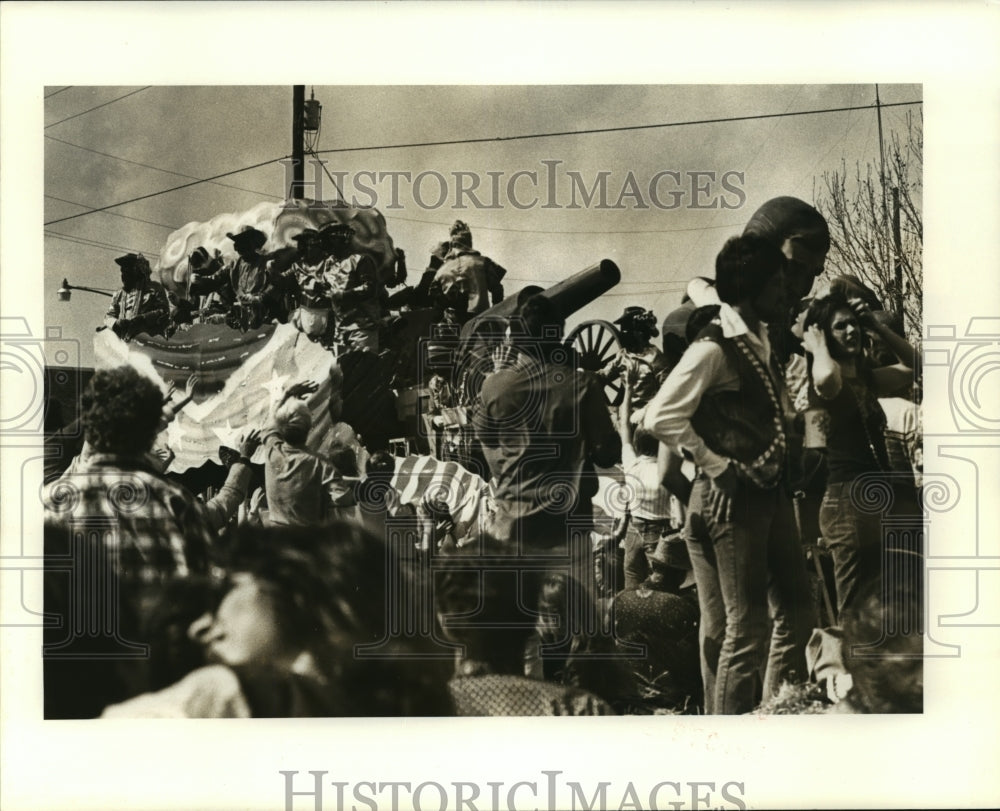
x=864, y=314
x=250, y=443
x=191, y=385
x=302, y=389
x=813, y=339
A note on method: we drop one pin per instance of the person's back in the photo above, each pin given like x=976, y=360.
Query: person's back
x=116, y=533
x=160, y=529
x=537, y=424
x=541, y=425
x=296, y=482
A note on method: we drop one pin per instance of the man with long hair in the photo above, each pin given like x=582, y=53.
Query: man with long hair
x=723, y=404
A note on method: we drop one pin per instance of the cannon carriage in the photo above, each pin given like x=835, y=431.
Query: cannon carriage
x=467, y=355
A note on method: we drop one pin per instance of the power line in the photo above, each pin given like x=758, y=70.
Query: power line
x=57, y=92
x=471, y=141
x=98, y=107
x=332, y=178
x=95, y=243
x=481, y=227
x=158, y=168
x=113, y=214
x=167, y=191
x=595, y=131
x=601, y=233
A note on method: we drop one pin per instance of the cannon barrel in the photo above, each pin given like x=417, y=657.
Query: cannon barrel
x=569, y=295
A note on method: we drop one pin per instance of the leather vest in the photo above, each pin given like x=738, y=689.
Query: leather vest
x=748, y=424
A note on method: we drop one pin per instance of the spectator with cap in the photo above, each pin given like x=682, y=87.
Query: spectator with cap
x=141, y=304
x=302, y=487
x=639, y=361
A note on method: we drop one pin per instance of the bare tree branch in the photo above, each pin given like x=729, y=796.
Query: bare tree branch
x=861, y=229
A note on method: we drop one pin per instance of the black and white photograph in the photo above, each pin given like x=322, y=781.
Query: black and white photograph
x=396, y=412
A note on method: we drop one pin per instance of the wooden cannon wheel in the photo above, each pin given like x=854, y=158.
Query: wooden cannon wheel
x=596, y=342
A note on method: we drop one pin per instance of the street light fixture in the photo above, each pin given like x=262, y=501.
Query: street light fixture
x=65, y=291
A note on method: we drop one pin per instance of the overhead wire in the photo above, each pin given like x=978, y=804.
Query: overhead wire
x=159, y=168
x=600, y=130
x=493, y=139
x=167, y=191
x=113, y=214
x=95, y=243
x=98, y=107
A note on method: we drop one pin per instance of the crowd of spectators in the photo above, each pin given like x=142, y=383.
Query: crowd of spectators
x=307, y=585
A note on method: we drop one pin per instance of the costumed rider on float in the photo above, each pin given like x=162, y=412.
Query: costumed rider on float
x=313, y=291
x=253, y=290
x=141, y=304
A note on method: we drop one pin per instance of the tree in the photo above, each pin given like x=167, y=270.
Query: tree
x=861, y=210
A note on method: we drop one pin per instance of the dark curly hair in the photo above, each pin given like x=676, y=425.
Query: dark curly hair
x=744, y=265
x=485, y=600
x=121, y=411
x=821, y=313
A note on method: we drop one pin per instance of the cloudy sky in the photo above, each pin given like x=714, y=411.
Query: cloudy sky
x=672, y=193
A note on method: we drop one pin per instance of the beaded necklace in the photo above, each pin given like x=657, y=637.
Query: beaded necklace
x=765, y=469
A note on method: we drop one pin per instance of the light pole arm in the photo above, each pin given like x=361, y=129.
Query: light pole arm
x=64, y=291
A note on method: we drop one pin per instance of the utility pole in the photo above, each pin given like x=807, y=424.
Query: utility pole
x=881, y=155
x=298, y=137
x=897, y=241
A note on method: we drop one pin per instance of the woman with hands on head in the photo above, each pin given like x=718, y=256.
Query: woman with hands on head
x=844, y=382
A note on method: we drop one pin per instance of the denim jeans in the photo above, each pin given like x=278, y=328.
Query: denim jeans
x=754, y=594
x=854, y=539
x=854, y=536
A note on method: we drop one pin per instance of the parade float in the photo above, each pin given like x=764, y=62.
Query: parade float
x=240, y=374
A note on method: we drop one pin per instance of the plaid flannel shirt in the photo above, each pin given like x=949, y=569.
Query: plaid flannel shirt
x=155, y=529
